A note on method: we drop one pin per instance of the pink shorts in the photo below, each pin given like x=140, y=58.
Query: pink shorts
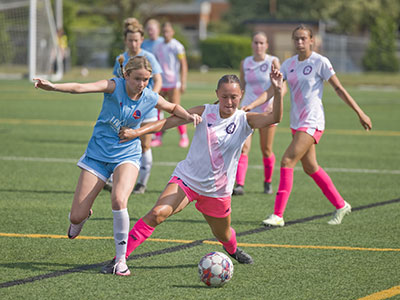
x=315, y=133
x=167, y=89
x=214, y=207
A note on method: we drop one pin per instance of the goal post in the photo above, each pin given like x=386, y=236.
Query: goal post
x=28, y=40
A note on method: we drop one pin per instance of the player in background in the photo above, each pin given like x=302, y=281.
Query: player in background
x=305, y=74
x=126, y=102
x=153, y=31
x=133, y=39
x=172, y=58
x=254, y=76
x=208, y=172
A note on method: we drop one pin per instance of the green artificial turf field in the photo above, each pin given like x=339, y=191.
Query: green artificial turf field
x=42, y=135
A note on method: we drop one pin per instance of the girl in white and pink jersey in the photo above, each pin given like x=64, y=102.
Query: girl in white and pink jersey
x=171, y=55
x=305, y=74
x=254, y=76
x=207, y=174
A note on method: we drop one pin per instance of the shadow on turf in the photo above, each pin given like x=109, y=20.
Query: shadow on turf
x=36, y=191
x=48, y=267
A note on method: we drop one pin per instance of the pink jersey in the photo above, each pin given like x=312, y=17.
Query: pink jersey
x=306, y=82
x=210, y=166
x=168, y=55
x=256, y=77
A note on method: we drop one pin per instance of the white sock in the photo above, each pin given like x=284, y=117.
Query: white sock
x=145, y=167
x=121, y=230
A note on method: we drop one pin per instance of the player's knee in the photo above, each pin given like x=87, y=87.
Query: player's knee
x=287, y=162
x=158, y=214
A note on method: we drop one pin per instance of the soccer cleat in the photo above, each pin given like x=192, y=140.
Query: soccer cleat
x=274, y=220
x=339, y=214
x=120, y=268
x=108, y=185
x=139, y=188
x=238, y=190
x=267, y=188
x=75, y=229
x=184, y=142
x=156, y=143
x=241, y=256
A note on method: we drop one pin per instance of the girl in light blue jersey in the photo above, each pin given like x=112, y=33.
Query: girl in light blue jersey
x=133, y=39
x=126, y=102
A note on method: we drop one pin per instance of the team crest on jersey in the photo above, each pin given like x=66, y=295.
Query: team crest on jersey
x=231, y=128
x=264, y=67
x=307, y=70
x=137, y=114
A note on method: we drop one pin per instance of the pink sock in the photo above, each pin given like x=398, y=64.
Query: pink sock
x=269, y=163
x=138, y=234
x=284, y=189
x=231, y=245
x=182, y=130
x=242, y=169
x=325, y=183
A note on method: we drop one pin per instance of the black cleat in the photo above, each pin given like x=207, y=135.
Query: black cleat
x=139, y=188
x=241, y=256
x=267, y=188
x=238, y=190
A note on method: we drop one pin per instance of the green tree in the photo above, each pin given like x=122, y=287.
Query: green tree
x=381, y=52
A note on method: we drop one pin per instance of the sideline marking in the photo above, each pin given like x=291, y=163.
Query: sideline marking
x=385, y=294
x=92, y=123
x=180, y=247
x=209, y=242
x=173, y=164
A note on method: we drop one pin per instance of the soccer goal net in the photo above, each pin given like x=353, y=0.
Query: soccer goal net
x=28, y=40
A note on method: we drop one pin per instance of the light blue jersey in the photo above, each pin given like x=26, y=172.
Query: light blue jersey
x=150, y=57
x=148, y=44
x=119, y=110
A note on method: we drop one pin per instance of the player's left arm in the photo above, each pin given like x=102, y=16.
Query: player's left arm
x=345, y=96
x=269, y=93
x=260, y=120
x=127, y=134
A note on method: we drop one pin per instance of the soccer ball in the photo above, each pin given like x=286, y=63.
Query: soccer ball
x=215, y=269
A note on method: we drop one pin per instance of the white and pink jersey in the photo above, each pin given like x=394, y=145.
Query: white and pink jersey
x=210, y=166
x=168, y=55
x=306, y=82
x=256, y=77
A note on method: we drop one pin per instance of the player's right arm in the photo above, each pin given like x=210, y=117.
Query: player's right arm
x=102, y=86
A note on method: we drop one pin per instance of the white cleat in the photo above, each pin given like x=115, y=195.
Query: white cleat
x=274, y=220
x=339, y=214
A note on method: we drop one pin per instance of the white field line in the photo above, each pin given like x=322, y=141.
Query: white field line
x=173, y=164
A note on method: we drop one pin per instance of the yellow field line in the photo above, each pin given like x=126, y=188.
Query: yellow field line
x=257, y=245
x=91, y=124
x=385, y=294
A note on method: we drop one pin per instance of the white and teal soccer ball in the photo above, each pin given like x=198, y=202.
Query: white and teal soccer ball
x=215, y=269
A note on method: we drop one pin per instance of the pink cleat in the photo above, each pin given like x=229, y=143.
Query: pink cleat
x=156, y=143
x=184, y=142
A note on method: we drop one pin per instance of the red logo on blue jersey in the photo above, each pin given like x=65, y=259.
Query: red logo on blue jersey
x=137, y=114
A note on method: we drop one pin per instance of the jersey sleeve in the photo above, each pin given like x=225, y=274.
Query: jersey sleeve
x=284, y=69
x=180, y=50
x=326, y=70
